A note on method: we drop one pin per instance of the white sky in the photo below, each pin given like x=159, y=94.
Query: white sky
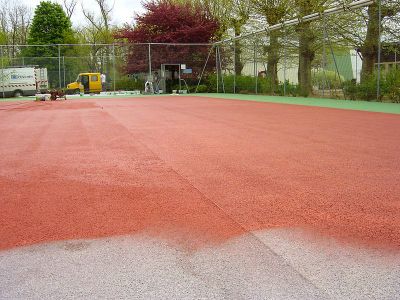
x=123, y=12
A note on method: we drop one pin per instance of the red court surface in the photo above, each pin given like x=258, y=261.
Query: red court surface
x=196, y=171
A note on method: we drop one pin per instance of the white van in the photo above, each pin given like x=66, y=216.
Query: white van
x=22, y=81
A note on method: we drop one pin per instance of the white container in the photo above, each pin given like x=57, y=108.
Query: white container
x=42, y=97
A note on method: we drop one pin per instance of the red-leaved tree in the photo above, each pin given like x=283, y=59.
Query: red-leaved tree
x=168, y=22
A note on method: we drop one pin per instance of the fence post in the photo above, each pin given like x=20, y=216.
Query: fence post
x=255, y=66
x=59, y=66
x=356, y=67
x=234, y=66
x=284, y=62
x=2, y=72
x=114, y=67
x=378, y=79
x=216, y=66
x=324, y=81
x=63, y=71
x=220, y=67
x=149, y=59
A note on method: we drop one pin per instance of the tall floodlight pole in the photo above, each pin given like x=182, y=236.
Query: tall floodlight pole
x=378, y=79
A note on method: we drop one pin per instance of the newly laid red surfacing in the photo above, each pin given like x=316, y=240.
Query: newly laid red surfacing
x=198, y=171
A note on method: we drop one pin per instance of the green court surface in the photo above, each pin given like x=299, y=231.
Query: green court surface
x=16, y=99
x=393, y=108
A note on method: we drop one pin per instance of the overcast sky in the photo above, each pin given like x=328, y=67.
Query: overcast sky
x=123, y=12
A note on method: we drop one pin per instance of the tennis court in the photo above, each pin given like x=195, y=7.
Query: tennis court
x=216, y=181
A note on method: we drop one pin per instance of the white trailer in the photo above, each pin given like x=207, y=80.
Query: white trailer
x=22, y=81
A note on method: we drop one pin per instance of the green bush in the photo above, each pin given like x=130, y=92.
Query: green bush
x=291, y=89
x=367, y=89
x=264, y=85
x=244, y=84
x=327, y=80
x=129, y=84
x=393, y=85
x=202, y=88
x=247, y=85
x=350, y=89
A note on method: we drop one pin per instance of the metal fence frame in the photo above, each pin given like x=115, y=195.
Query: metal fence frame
x=216, y=48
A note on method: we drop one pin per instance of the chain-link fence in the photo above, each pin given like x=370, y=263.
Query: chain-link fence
x=168, y=67
x=326, y=55
x=339, y=53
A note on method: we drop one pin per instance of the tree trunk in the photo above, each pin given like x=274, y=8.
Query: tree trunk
x=238, y=51
x=238, y=62
x=273, y=59
x=369, y=49
x=306, y=56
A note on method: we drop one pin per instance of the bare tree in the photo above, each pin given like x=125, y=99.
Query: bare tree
x=15, y=20
x=99, y=31
x=239, y=16
x=274, y=12
x=69, y=7
x=19, y=17
x=103, y=22
x=3, y=22
x=233, y=15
